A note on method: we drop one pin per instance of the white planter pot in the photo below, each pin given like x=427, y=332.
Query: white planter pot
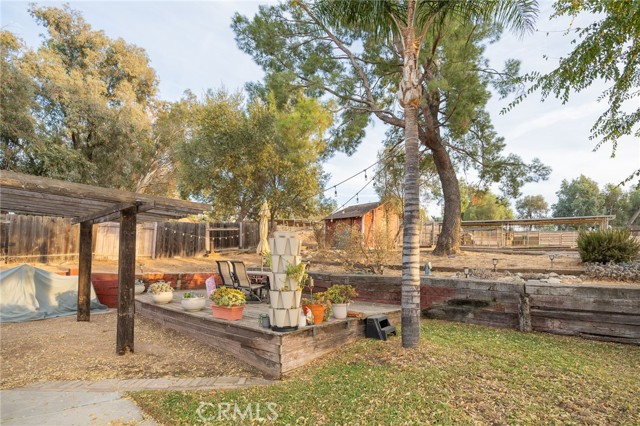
x=292, y=283
x=193, y=304
x=297, y=296
x=287, y=299
x=162, y=298
x=271, y=317
x=274, y=299
x=280, y=244
x=293, y=247
x=275, y=263
x=286, y=260
x=302, y=320
x=340, y=310
x=281, y=317
x=294, y=316
x=139, y=288
x=279, y=281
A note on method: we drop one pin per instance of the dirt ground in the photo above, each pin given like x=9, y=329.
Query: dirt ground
x=64, y=349
x=325, y=261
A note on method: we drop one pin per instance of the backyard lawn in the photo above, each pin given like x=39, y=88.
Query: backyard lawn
x=461, y=374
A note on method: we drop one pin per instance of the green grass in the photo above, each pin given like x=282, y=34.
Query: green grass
x=461, y=374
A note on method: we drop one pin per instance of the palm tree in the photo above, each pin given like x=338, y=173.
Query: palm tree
x=406, y=23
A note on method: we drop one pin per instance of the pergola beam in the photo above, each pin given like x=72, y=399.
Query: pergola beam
x=84, y=271
x=126, y=280
x=112, y=212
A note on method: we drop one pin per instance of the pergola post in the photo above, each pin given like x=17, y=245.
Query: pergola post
x=84, y=271
x=126, y=280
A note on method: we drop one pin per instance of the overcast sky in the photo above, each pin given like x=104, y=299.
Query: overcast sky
x=191, y=46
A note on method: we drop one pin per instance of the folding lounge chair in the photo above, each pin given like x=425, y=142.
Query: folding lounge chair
x=224, y=269
x=243, y=281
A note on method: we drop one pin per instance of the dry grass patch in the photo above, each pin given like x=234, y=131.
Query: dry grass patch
x=64, y=349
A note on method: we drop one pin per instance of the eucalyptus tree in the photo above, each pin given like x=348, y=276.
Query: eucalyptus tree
x=84, y=107
x=368, y=55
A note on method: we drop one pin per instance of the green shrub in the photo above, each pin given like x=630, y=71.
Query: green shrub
x=611, y=245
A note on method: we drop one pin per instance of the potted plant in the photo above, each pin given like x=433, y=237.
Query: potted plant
x=340, y=296
x=192, y=302
x=161, y=292
x=297, y=275
x=139, y=287
x=319, y=307
x=228, y=303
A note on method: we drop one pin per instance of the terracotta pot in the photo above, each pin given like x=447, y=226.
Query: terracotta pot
x=106, y=288
x=229, y=313
x=318, y=312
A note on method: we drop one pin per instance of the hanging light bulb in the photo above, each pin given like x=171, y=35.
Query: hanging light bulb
x=335, y=192
x=357, y=200
x=365, y=174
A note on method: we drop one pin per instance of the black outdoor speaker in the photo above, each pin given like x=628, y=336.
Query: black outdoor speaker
x=378, y=327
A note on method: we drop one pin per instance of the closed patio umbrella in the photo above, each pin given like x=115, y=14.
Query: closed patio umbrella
x=263, y=246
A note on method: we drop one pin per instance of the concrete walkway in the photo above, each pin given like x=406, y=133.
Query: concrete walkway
x=86, y=403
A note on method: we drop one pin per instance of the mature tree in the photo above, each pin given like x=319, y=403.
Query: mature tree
x=622, y=204
x=532, y=207
x=580, y=197
x=92, y=105
x=606, y=50
x=17, y=97
x=236, y=157
x=486, y=206
x=360, y=53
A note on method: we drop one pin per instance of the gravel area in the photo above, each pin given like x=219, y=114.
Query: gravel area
x=64, y=349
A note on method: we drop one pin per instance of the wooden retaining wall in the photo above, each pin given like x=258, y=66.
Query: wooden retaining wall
x=602, y=312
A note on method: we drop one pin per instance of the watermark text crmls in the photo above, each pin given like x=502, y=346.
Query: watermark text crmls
x=210, y=412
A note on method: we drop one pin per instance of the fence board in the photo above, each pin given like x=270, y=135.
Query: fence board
x=39, y=238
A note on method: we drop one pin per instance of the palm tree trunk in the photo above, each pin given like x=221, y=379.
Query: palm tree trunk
x=411, y=235
x=409, y=96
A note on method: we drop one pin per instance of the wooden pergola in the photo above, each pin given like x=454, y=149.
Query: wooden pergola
x=88, y=205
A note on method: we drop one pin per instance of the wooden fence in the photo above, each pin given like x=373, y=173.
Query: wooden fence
x=38, y=238
x=46, y=239
x=501, y=237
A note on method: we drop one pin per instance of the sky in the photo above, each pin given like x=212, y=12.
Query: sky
x=191, y=46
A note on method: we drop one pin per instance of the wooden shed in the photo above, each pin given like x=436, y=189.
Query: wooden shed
x=370, y=218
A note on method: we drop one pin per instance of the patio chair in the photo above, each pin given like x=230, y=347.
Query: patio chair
x=244, y=283
x=225, y=271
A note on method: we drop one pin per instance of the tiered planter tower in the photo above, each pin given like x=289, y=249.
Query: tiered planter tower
x=284, y=293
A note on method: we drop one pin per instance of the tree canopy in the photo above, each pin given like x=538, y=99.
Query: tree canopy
x=82, y=106
x=239, y=154
x=486, y=206
x=606, y=50
x=532, y=207
x=331, y=49
x=580, y=197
